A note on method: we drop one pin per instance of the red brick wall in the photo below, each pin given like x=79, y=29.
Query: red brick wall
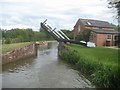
x=102, y=40
x=19, y=53
x=75, y=30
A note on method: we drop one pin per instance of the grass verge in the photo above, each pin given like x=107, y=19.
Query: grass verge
x=99, y=64
x=9, y=47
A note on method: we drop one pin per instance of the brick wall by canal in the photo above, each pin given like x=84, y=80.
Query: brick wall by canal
x=21, y=53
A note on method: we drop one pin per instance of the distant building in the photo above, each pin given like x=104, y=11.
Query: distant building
x=102, y=33
x=104, y=37
x=83, y=24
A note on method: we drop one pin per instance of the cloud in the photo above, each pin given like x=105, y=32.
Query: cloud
x=60, y=13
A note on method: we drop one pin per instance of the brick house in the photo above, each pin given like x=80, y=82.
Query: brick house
x=102, y=33
x=83, y=24
x=104, y=37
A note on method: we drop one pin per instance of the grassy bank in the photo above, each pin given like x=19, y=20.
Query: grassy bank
x=99, y=64
x=9, y=47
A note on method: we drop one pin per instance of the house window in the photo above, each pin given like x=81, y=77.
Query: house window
x=79, y=29
x=116, y=38
x=109, y=36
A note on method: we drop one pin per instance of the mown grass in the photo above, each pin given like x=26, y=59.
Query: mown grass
x=99, y=64
x=9, y=47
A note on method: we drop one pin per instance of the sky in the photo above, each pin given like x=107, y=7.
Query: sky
x=62, y=14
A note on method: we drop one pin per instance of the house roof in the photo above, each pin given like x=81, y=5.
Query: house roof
x=96, y=23
x=100, y=31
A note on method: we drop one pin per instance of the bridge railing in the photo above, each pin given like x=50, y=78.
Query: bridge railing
x=59, y=35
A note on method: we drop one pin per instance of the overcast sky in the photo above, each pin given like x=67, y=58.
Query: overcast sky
x=62, y=14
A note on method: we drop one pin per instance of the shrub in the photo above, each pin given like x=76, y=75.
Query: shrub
x=7, y=41
x=70, y=55
x=105, y=76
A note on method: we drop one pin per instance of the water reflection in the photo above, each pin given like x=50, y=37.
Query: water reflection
x=18, y=65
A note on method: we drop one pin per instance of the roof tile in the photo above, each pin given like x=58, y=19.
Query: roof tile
x=97, y=23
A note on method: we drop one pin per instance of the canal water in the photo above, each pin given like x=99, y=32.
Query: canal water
x=45, y=70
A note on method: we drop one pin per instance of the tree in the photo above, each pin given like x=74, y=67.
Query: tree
x=17, y=35
x=115, y=4
x=30, y=34
x=46, y=34
x=7, y=41
x=84, y=36
x=79, y=37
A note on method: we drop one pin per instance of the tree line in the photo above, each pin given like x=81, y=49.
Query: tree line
x=23, y=35
x=17, y=35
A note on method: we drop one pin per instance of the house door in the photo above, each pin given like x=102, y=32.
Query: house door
x=107, y=43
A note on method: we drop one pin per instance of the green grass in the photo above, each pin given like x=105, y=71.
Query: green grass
x=9, y=47
x=99, y=64
x=100, y=54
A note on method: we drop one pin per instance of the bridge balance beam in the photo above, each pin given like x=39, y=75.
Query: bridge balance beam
x=59, y=35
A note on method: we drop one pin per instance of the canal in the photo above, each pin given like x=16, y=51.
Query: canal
x=45, y=70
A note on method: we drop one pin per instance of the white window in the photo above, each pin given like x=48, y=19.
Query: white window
x=109, y=36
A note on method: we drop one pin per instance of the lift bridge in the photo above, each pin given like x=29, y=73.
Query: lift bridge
x=58, y=35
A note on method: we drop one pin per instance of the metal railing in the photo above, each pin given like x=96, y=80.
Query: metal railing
x=58, y=35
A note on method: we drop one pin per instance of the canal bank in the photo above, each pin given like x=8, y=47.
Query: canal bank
x=22, y=52
x=44, y=71
x=99, y=64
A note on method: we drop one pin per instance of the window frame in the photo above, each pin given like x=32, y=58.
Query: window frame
x=109, y=36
